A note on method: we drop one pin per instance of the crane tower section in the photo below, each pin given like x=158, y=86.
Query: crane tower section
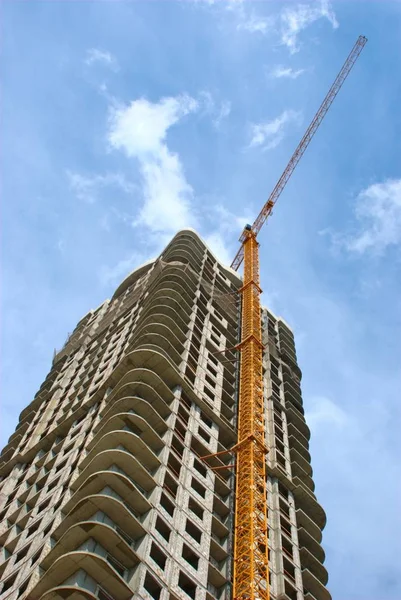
x=251, y=564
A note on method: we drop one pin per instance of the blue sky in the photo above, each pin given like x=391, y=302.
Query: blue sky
x=123, y=121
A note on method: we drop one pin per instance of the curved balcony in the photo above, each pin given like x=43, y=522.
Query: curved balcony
x=305, y=500
x=167, y=296
x=68, y=591
x=97, y=567
x=132, y=278
x=146, y=367
x=309, y=561
x=314, y=586
x=125, y=487
x=172, y=314
x=120, y=512
x=165, y=291
x=108, y=537
x=162, y=338
x=120, y=420
x=127, y=462
x=173, y=276
x=140, y=406
x=297, y=419
x=131, y=441
x=305, y=540
x=167, y=320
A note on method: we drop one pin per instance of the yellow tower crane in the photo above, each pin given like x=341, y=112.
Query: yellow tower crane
x=251, y=565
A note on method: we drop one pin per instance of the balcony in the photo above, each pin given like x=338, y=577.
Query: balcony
x=136, y=423
x=310, y=527
x=126, y=461
x=217, y=575
x=220, y=525
x=299, y=443
x=314, y=586
x=310, y=562
x=120, y=512
x=307, y=541
x=96, y=566
x=297, y=419
x=123, y=485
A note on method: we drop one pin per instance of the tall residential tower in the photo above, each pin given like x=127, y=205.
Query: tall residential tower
x=104, y=490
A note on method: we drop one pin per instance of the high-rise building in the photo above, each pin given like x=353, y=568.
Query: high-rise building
x=105, y=492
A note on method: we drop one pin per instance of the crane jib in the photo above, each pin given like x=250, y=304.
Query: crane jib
x=303, y=144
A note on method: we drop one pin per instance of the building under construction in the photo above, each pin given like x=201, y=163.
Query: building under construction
x=165, y=455
x=105, y=492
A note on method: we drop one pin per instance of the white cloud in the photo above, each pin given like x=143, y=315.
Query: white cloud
x=378, y=210
x=255, y=23
x=217, y=112
x=94, y=55
x=223, y=113
x=116, y=274
x=140, y=130
x=280, y=72
x=87, y=188
x=271, y=133
x=295, y=19
x=323, y=412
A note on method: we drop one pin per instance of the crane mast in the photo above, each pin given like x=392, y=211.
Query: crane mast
x=251, y=564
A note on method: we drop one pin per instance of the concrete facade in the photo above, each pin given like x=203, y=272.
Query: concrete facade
x=104, y=494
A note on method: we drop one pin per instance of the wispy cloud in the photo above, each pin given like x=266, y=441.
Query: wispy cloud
x=378, y=214
x=255, y=23
x=139, y=130
x=271, y=133
x=94, y=55
x=287, y=24
x=324, y=412
x=294, y=19
x=112, y=275
x=87, y=187
x=217, y=111
x=281, y=72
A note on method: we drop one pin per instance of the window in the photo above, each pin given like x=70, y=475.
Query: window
x=208, y=393
x=290, y=591
x=158, y=556
x=36, y=556
x=9, y=583
x=187, y=585
x=33, y=528
x=174, y=465
x=210, y=381
x=102, y=595
x=167, y=504
x=170, y=485
x=152, y=587
x=289, y=568
x=44, y=505
x=195, y=508
x=116, y=565
x=163, y=529
x=198, y=487
x=53, y=484
x=21, y=554
x=190, y=556
x=206, y=420
x=213, y=359
x=212, y=371
x=23, y=587
x=200, y=467
x=193, y=531
x=204, y=435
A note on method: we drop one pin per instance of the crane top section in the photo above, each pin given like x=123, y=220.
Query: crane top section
x=303, y=144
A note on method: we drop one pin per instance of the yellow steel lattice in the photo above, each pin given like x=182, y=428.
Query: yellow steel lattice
x=251, y=573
